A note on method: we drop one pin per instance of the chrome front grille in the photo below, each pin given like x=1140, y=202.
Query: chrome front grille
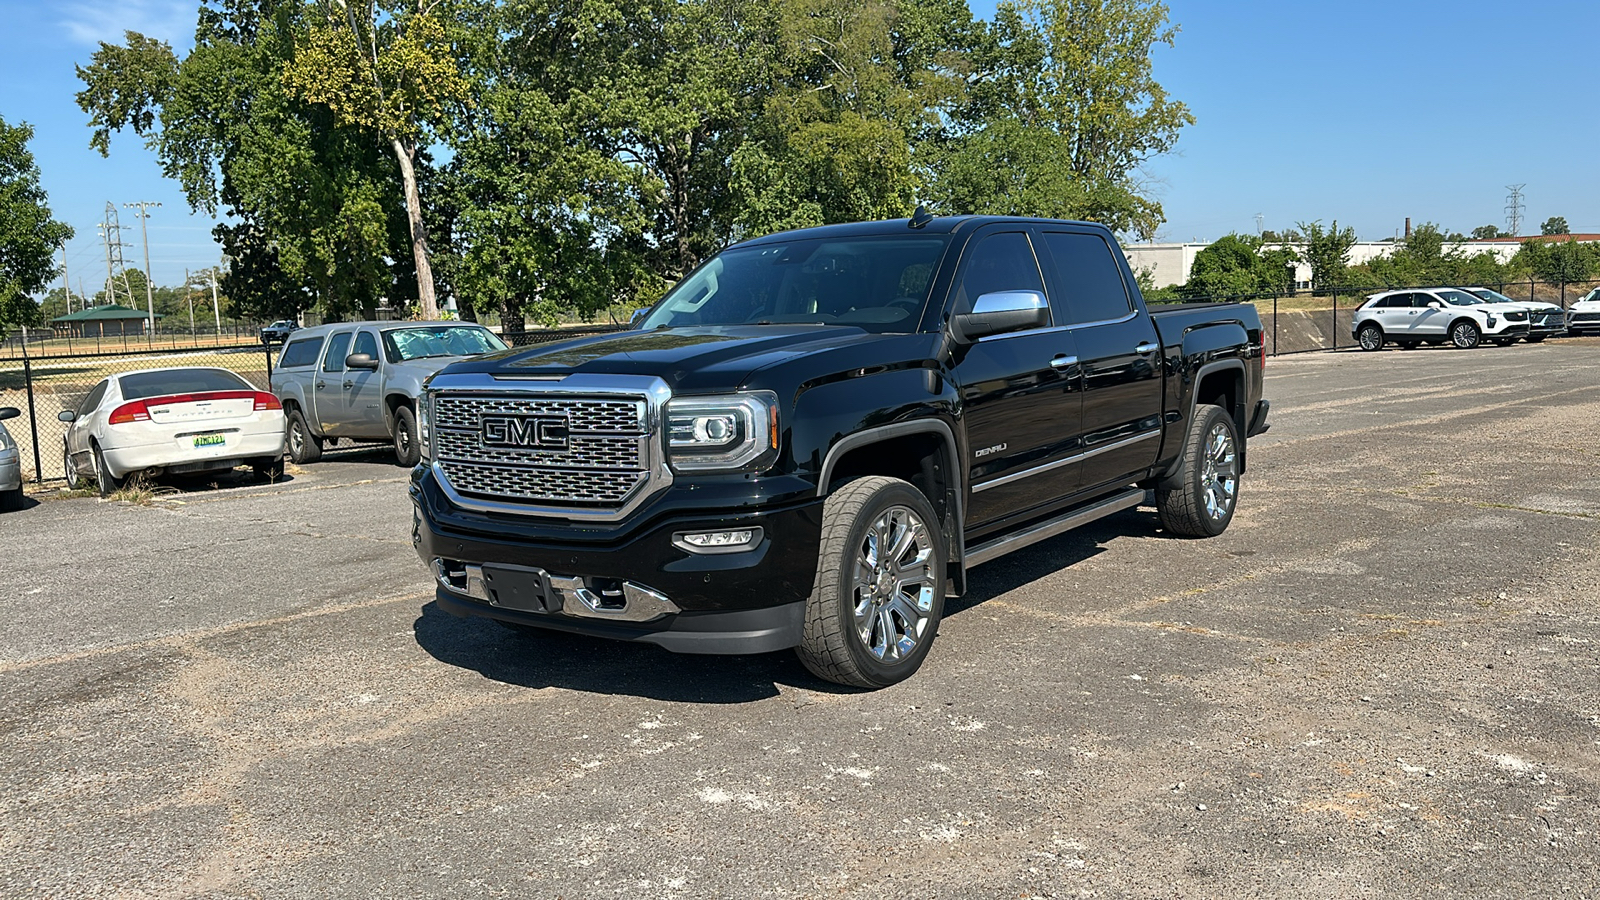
x=604, y=460
x=1586, y=317
x=1516, y=315
x=1550, y=318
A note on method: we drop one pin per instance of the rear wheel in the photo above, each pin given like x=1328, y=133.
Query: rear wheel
x=104, y=482
x=303, y=445
x=1370, y=336
x=268, y=467
x=879, y=591
x=406, y=449
x=1465, y=335
x=1202, y=504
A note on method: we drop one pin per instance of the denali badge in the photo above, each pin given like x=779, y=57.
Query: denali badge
x=527, y=432
x=988, y=450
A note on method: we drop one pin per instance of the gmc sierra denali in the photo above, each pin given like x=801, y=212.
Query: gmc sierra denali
x=814, y=436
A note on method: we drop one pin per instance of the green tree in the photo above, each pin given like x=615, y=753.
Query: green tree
x=1063, y=93
x=1559, y=262
x=29, y=236
x=1235, y=265
x=1485, y=233
x=224, y=125
x=1327, y=252
x=1555, y=225
x=388, y=70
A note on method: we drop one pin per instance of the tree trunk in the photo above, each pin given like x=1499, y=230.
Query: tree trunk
x=419, y=235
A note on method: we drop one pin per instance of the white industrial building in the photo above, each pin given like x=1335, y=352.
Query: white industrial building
x=1169, y=264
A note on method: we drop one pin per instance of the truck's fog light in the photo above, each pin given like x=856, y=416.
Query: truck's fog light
x=718, y=541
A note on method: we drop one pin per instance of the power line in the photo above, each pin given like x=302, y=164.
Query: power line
x=1514, y=208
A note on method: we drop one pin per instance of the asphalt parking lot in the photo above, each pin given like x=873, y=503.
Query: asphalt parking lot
x=1381, y=681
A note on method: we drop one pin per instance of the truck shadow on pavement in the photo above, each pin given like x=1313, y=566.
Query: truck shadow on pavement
x=595, y=665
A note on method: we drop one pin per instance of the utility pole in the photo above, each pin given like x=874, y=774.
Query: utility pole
x=215, y=309
x=144, y=235
x=188, y=294
x=1514, y=208
x=66, y=280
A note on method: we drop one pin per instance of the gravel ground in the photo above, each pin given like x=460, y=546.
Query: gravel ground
x=1381, y=681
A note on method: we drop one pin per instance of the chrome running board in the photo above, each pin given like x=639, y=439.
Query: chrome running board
x=1050, y=528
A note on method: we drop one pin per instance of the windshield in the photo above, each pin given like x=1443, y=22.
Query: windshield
x=402, y=344
x=1491, y=296
x=1458, y=298
x=879, y=284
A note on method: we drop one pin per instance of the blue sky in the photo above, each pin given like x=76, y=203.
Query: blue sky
x=1360, y=111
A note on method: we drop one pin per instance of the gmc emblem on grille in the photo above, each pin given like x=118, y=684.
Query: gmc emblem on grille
x=527, y=432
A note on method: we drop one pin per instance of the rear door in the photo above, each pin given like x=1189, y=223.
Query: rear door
x=1019, y=391
x=363, y=390
x=329, y=388
x=1119, y=355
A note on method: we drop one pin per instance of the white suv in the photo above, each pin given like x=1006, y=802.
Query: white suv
x=1544, y=319
x=1584, y=315
x=1435, y=315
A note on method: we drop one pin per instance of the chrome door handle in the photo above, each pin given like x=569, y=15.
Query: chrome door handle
x=1062, y=362
x=1146, y=347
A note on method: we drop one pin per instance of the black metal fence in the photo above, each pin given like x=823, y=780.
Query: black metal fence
x=1300, y=321
x=42, y=342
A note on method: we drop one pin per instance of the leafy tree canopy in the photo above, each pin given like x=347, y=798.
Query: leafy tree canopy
x=1555, y=225
x=29, y=236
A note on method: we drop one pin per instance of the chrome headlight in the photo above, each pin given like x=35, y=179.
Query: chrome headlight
x=1491, y=321
x=725, y=433
x=425, y=424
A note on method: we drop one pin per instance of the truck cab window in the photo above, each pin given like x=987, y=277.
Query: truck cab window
x=1089, y=284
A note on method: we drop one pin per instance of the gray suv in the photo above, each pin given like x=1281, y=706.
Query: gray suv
x=359, y=381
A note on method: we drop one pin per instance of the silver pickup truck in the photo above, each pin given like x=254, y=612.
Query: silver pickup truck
x=359, y=381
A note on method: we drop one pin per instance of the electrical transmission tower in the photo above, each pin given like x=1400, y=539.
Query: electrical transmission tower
x=1514, y=208
x=111, y=230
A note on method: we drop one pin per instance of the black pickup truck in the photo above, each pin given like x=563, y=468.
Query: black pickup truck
x=813, y=437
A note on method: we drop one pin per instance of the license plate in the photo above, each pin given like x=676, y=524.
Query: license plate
x=210, y=440
x=520, y=588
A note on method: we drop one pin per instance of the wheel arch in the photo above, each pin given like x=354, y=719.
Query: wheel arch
x=922, y=452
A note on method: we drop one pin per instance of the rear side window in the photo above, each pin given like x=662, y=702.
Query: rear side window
x=180, y=381
x=1089, y=286
x=301, y=353
x=338, y=349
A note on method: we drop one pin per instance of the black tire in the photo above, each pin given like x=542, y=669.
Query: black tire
x=303, y=446
x=1407, y=345
x=1203, y=503
x=1537, y=338
x=407, y=451
x=1504, y=342
x=856, y=519
x=1464, y=334
x=268, y=467
x=104, y=482
x=1370, y=337
x=11, y=501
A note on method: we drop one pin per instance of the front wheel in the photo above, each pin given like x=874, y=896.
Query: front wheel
x=879, y=591
x=1202, y=504
x=407, y=451
x=1371, y=337
x=1465, y=335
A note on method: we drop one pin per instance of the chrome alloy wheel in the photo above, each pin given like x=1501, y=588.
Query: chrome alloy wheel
x=894, y=574
x=1371, y=339
x=297, y=439
x=1219, y=477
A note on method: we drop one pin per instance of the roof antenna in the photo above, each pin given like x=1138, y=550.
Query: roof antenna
x=920, y=218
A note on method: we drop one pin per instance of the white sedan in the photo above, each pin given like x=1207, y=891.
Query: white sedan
x=178, y=420
x=10, y=464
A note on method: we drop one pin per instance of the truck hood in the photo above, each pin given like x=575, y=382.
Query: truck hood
x=690, y=360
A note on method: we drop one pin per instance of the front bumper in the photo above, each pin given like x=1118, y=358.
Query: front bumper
x=749, y=601
x=10, y=470
x=1503, y=329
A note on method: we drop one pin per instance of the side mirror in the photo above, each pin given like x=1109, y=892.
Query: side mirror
x=360, y=361
x=9, y=412
x=638, y=316
x=1434, y=304
x=1000, y=312
x=66, y=415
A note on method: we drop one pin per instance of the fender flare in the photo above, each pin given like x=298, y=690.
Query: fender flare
x=1173, y=477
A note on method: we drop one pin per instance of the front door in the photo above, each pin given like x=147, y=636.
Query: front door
x=1120, y=355
x=1429, y=321
x=1020, y=399
x=363, y=391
